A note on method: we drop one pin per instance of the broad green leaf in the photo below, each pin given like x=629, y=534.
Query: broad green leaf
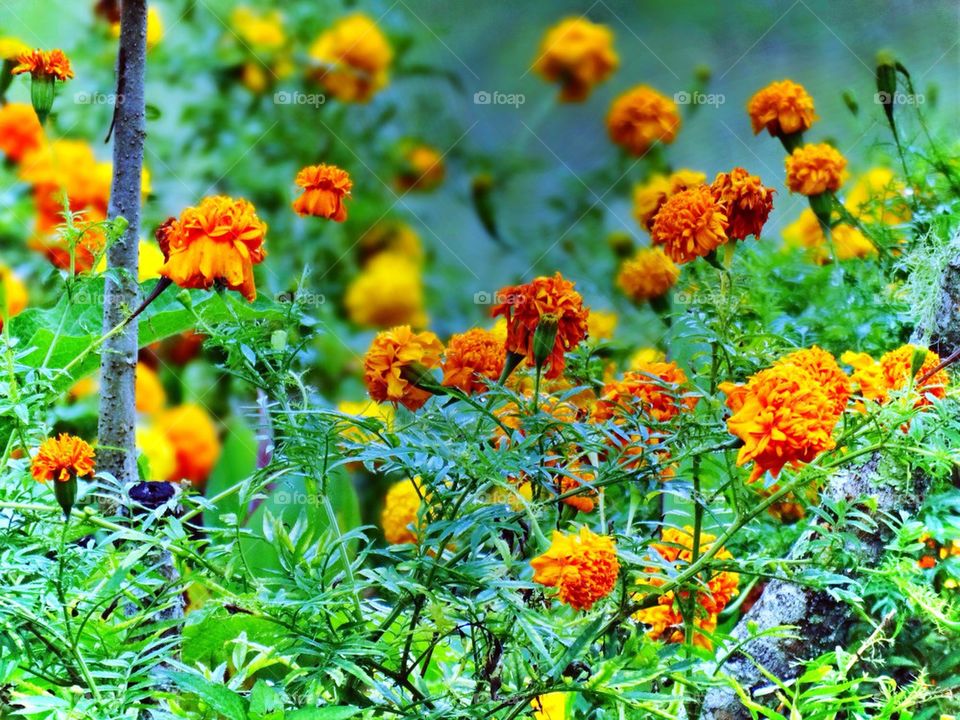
x=217, y=697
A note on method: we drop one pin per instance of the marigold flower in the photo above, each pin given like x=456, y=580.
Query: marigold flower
x=896, y=366
x=791, y=508
x=577, y=54
x=783, y=417
x=583, y=501
x=815, y=169
x=220, y=240
x=151, y=260
x=848, y=242
x=552, y=706
x=422, y=169
x=390, y=236
x=878, y=196
x=601, y=324
x=517, y=418
x=161, y=456
x=690, y=224
x=649, y=197
x=868, y=378
x=261, y=31
x=582, y=567
x=472, y=357
x=13, y=294
x=525, y=305
x=62, y=459
x=11, y=48
x=365, y=409
x=325, y=187
x=154, y=28
x=745, y=200
x=195, y=442
x=640, y=117
x=392, y=357
x=386, y=293
x=20, y=131
x=648, y=275
x=151, y=397
x=400, y=508
x=43, y=64
x=354, y=58
x=823, y=368
x=655, y=389
x=643, y=356
x=783, y=108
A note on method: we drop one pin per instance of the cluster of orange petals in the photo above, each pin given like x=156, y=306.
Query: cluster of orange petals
x=654, y=389
x=745, y=200
x=325, y=187
x=195, y=442
x=648, y=275
x=584, y=501
x=665, y=618
x=783, y=108
x=62, y=458
x=471, y=358
x=218, y=241
x=823, y=368
x=20, y=131
x=578, y=54
x=524, y=305
x=390, y=354
x=875, y=380
x=649, y=197
x=582, y=567
x=815, y=169
x=690, y=224
x=43, y=64
x=640, y=117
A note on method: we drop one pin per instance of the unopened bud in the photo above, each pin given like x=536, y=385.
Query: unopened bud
x=621, y=243
x=544, y=338
x=916, y=362
x=43, y=89
x=851, y=102
x=66, y=494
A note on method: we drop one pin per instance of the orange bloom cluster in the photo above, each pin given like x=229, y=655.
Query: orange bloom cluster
x=690, y=224
x=665, y=618
x=354, y=58
x=195, y=442
x=650, y=196
x=423, y=169
x=400, y=509
x=584, y=501
x=325, y=187
x=640, y=117
x=391, y=356
x=823, y=368
x=577, y=54
x=582, y=567
x=471, y=357
x=20, y=131
x=62, y=458
x=745, y=200
x=875, y=380
x=654, y=389
x=525, y=305
x=42, y=64
x=648, y=275
x=513, y=415
x=783, y=415
x=783, y=108
x=220, y=240
x=815, y=169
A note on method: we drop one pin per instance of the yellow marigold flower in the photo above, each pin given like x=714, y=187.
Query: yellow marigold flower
x=655, y=389
x=154, y=28
x=815, y=169
x=354, y=58
x=260, y=30
x=400, y=509
x=577, y=54
x=395, y=356
x=20, y=131
x=552, y=706
x=783, y=417
x=11, y=48
x=783, y=108
x=601, y=324
x=387, y=292
x=151, y=260
x=868, y=378
x=896, y=366
x=365, y=409
x=848, y=242
x=791, y=508
x=745, y=200
x=472, y=357
x=823, y=368
x=422, y=168
x=878, y=197
x=690, y=224
x=391, y=236
x=220, y=240
x=62, y=458
x=648, y=275
x=642, y=356
x=325, y=187
x=155, y=446
x=195, y=442
x=13, y=294
x=582, y=567
x=84, y=387
x=44, y=64
x=525, y=305
x=651, y=195
x=640, y=117
x=151, y=397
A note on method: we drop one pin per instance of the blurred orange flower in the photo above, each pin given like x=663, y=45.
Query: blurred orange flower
x=654, y=389
x=815, y=169
x=783, y=108
x=20, y=131
x=640, y=117
x=582, y=567
x=151, y=397
x=690, y=224
x=195, y=442
x=649, y=197
x=399, y=516
x=13, y=294
x=62, y=458
x=422, y=168
x=577, y=54
x=470, y=358
x=745, y=200
x=325, y=187
x=395, y=361
x=648, y=275
x=353, y=58
x=43, y=64
x=848, y=242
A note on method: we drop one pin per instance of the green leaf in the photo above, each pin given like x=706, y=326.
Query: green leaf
x=237, y=462
x=341, y=712
x=217, y=697
x=265, y=703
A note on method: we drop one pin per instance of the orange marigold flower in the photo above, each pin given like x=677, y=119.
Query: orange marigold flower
x=151, y=397
x=653, y=388
x=690, y=224
x=220, y=240
x=896, y=366
x=325, y=187
x=848, y=242
x=518, y=419
x=649, y=197
x=471, y=357
x=745, y=200
x=43, y=64
x=575, y=478
x=20, y=131
x=577, y=54
x=823, y=368
x=195, y=442
x=523, y=307
x=13, y=294
x=354, y=58
x=422, y=168
x=400, y=508
x=395, y=354
x=640, y=117
x=815, y=169
x=783, y=108
x=62, y=458
x=648, y=275
x=867, y=378
x=783, y=417
x=582, y=567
